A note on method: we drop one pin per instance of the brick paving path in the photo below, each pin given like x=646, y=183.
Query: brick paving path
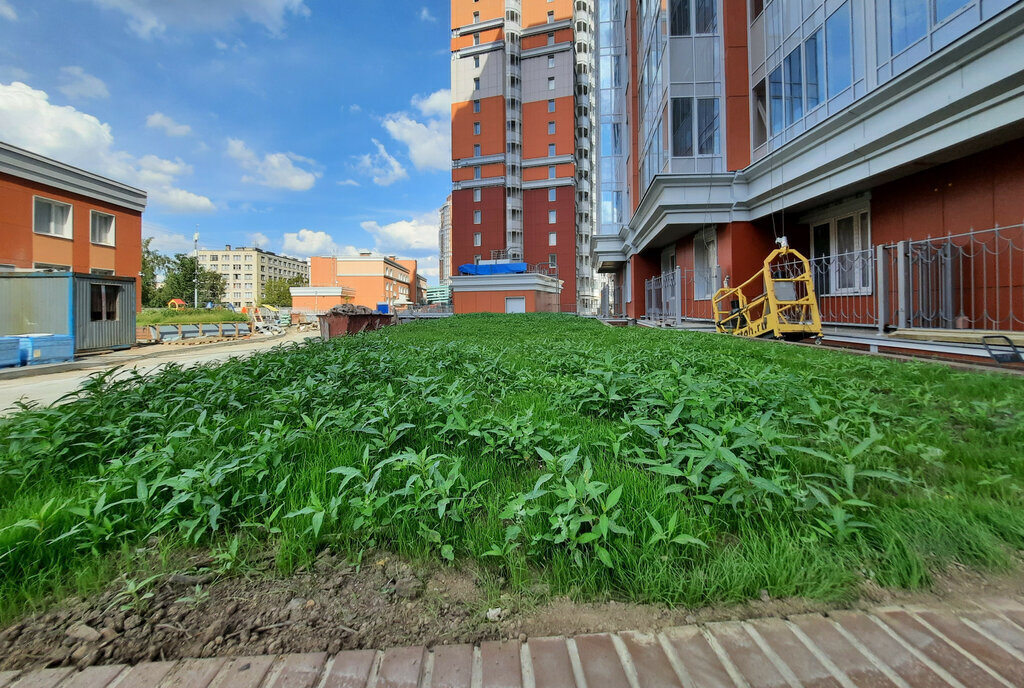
x=891, y=647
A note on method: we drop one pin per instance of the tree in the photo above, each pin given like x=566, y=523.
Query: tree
x=181, y=280
x=277, y=291
x=153, y=264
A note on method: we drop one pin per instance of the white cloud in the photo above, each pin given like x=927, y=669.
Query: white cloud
x=159, y=120
x=355, y=107
x=349, y=182
x=381, y=166
x=7, y=12
x=430, y=143
x=77, y=84
x=426, y=16
x=9, y=73
x=437, y=104
x=276, y=170
x=258, y=239
x=29, y=120
x=165, y=240
x=147, y=18
x=428, y=267
x=306, y=242
x=415, y=235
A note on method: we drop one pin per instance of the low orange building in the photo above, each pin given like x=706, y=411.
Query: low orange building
x=57, y=217
x=363, y=280
x=529, y=292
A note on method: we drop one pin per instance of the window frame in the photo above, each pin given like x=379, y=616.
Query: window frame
x=709, y=237
x=865, y=281
x=69, y=223
x=93, y=214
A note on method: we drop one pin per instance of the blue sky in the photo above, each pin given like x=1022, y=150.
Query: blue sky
x=305, y=126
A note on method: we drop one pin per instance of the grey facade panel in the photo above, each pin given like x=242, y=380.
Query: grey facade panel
x=35, y=304
x=93, y=329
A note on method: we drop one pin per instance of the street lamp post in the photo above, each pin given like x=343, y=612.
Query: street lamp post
x=195, y=242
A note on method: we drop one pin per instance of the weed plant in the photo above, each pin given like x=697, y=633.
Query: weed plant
x=188, y=316
x=669, y=467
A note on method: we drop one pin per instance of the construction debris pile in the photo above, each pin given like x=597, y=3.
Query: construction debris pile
x=349, y=309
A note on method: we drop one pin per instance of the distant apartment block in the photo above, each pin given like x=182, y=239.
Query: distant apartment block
x=57, y=217
x=884, y=138
x=247, y=270
x=445, y=242
x=523, y=141
x=370, y=280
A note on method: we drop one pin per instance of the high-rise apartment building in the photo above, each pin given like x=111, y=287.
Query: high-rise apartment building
x=884, y=138
x=523, y=102
x=444, y=242
x=246, y=271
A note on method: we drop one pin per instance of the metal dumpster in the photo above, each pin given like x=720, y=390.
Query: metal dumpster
x=332, y=326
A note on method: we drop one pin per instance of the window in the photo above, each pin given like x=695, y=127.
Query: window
x=551, y=83
x=840, y=51
x=794, y=90
x=476, y=106
x=551, y=61
x=707, y=126
x=756, y=8
x=476, y=150
x=552, y=237
x=551, y=106
x=909, y=23
x=476, y=39
x=476, y=259
x=476, y=195
x=552, y=195
x=775, y=109
x=52, y=217
x=551, y=17
x=814, y=59
x=476, y=128
x=945, y=8
x=551, y=171
x=551, y=38
x=706, y=17
x=477, y=237
x=679, y=12
x=551, y=150
x=476, y=172
x=50, y=267
x=841, y=250
x=476, y=61
x=476, y=17
x=705, y=264
x=552, y=217
x=477, y=217
x=551, y=128
x=102, y=272
x=103, y=300
x=101, y=228
x=553, y=260
x=682, y=127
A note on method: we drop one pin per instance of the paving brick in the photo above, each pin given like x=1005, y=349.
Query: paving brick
x=999, y=628
x=752, y=663
x=700, y=662
x=937, y=650
x=94, y=677
x=980, y=647
x=195, y=673
x=794, y=654
x=841, y=652
x=401, y=668
x=453, y=666
x=244, y=672
x=552, y=667
x=7, y=677
x=600, y=662
x=653, y=668
x=300, y=671
x=902, y=662
x=350, y=669
x=500, y=665
x=47, y=678
x=146, y=675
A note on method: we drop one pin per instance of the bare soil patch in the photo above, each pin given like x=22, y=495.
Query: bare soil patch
x=385, y=602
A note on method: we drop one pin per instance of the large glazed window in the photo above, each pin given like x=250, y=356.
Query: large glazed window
x=814, y=60
x=838, y=37
x=101, y=228
x=794, y=88
x=909, y=23
x=842, y=254
x=682, y=127
x=51, y=217
x=707, y=126
x=679, y=12
x=705, y=264
x=775, y=96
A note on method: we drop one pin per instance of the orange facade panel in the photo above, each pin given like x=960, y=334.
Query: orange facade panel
x=486, y=10
x=535, y=13
x=536, y=174
x=491, y=119
x=536, y=124
x=540, y=40
x=495, y=301
x=469, y=40
x=465, y=174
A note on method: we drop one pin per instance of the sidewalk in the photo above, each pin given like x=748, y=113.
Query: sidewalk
x=890, y=647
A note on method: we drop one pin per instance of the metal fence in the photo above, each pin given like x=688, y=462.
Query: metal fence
x=970, y=281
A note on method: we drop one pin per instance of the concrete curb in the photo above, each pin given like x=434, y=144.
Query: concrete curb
x=101, y=361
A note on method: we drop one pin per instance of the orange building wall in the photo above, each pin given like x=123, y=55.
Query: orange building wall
x=737, y=86
x=535, y=128
x=492, y=127
x=486, y=36
x=494, y=301
x=465, y=174
x=536, y=12
x=533, y=174
x=462, y=11
x=21, y=247
x=540, y=40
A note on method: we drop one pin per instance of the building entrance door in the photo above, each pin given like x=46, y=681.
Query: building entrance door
x=515, y=304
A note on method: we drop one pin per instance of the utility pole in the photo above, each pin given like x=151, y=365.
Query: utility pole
x=195, y=242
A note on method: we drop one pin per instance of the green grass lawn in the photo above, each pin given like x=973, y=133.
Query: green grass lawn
x=653, y=466
x=187, y=316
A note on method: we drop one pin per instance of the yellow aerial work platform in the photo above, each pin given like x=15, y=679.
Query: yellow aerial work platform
x=787, y=307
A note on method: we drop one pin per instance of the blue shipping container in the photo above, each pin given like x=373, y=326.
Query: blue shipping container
x=10, y=352
x=53, y=348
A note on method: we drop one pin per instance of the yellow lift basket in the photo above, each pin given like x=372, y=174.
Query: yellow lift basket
x=787, y=307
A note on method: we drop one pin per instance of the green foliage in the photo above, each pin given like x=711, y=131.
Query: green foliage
x=276, y=291
x=188, y=316
x=180, y=282
x=648, y=465
x=153, y=264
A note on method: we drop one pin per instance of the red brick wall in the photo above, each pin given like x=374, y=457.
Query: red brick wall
x=536, y=229
x=491, y=228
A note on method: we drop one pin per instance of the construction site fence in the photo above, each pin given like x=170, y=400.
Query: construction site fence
x=968, y=281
